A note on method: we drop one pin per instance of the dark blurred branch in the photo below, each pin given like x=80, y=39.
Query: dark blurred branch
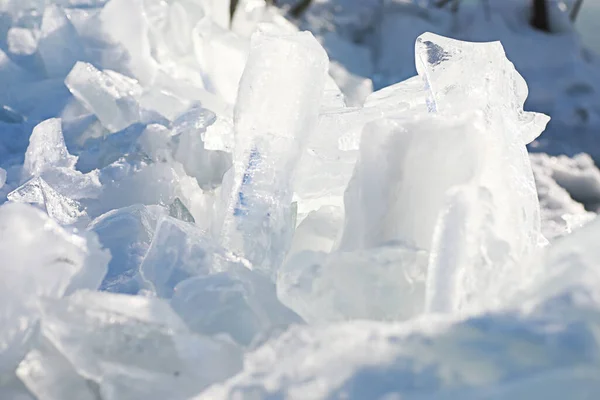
x=539, y=16
x=575, y=10
x=300, y=8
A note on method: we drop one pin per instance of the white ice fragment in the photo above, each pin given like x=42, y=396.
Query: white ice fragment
x=319, y=231
x=50, y=376
x=356, y=88
x=133, y=346
x=276, y=111
x=125, y=22
x=222, y=55
x=59, y=45
x=127, y=233
x=39, y=259
x=112, y=97
x=2, y=177
x=180, y=250
x=22, y=41
x=207, y=166
x=240, y=303
x=47, y=149
x=384, y=283
x=60, y=208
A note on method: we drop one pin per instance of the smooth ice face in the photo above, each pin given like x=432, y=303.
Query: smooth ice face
x=59, y=45
x=47, y=149
x=180, y=250
x=240, y=303
x=39, y=259
x=276, y=110
x=60, y=208
x=384, y=283
x=133, y=346
x=127, y=233
x=112, y=97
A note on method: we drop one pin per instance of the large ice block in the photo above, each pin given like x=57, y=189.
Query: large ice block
x=135, y=347
x=59, y=44
x=39, y=259
x=180, y=250
x=384, y=283
x=127, y=233
x=60, y=208
x=112, y=97
x=47, y=149
x=276, y=111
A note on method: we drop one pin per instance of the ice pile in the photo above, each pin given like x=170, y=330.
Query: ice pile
x=201, y=212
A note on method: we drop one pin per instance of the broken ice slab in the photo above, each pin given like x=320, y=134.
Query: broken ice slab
x=22, y=41
x=462, y=75
x=319, y=231
x=403, y=171
x=60, y=262
x=276, y=111
x=47, y=149
x=133, y=344
x=207, y=166
x=60, y=208
x=59, y=44
x=50, y=376
x=127, y=233
x=222, y=55
x=179, y=211
x=238, y=302
x=112, y=97
x=385, y=283
x=180, y=250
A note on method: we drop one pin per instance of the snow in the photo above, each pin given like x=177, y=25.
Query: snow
x=367, y=201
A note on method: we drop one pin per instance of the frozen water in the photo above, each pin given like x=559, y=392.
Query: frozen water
x=39, y=260
x=239, y=302
x=127, y=233
x=180, y=250
x=59, y=44
x=112, y=97
x=62, y=209
x=47, y=149
x=22, y=41
x=134, y=346
x=276, y=110
x=386, y=283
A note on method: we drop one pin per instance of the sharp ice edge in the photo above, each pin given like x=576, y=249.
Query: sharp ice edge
x=190, y=197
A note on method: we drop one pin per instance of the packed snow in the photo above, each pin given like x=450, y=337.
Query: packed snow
x=334, y=205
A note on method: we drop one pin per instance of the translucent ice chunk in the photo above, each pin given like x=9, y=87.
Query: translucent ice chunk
x=39, y=259
x=47, y=149
x=443, y=63
x=59, y=45
x=207, y=166
x=62, y=209
x=50, y=376
x=380, y=283
x=181, y=250
x=131, y=344
x=222, y=55
x=277, y=109
x=127, y=233
x=112, y=97
x=22, y=41
x=240, y=303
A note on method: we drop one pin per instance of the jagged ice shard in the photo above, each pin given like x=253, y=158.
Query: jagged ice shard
x=276, y=111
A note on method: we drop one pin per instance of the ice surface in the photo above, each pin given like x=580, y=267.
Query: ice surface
x=134, y=346
x=47, y=149
x=39, y=260
x=385, y=283
x=22, y=41
x=112, y=97
x=276, y=110
x=59, y=44
x=127, y=233
x=60, y=208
